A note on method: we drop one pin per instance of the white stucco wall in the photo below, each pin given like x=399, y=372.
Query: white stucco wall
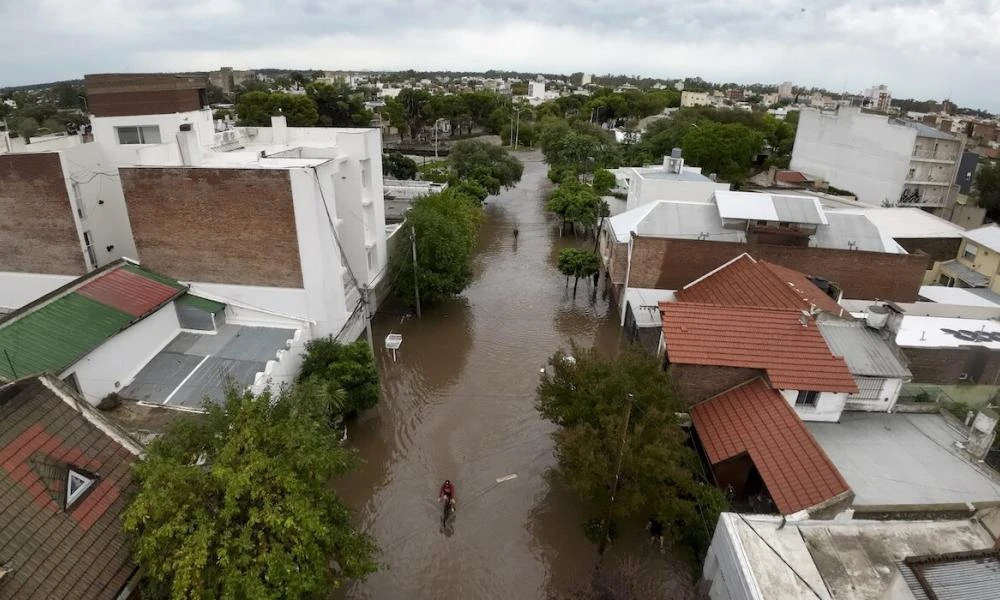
x=828, y=407
x=862, y=153
x=285, y=367
x=18, y=289
x=257, y=305
x=93, y=185
x=887, y=398
x=169, y=124
x=115, y=362
x=726, y=567
x=643, y=190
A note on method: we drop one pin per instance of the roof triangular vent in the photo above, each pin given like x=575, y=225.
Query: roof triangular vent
x=77, y=484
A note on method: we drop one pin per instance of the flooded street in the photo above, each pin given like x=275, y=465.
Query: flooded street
x=459, y=404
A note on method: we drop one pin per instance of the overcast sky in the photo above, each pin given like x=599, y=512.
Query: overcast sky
x=919, y=48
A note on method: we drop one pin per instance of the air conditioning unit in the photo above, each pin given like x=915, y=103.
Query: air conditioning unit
x=963, y=377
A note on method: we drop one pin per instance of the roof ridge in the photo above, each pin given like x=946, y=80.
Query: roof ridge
x=61, y=291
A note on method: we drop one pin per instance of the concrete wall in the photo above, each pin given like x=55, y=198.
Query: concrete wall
x=699, y=382
x=232, y=226
x=887, y=397
x=113, y=364
x=727, y=573
x=670, y=264
x=18, y=289
x=284, y=368
x=939, y=249
x=828, y=407
x=94, y=185
x=38, y=228
x=693, y=99
x=169, y=124
x=862, y=153
x=644, y=189
x=986, y=262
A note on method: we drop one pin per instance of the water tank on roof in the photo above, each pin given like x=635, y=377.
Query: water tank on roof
x=877, y=316
x=675, y=153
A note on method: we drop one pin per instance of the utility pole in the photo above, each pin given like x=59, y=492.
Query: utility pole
x=614, y=486
x=368, y=317
x=416, y=286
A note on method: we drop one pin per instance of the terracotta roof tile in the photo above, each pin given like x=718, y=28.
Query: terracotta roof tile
x=747, y=282
x=755, y=419
x=795, y=357
x=128, y=291
x=790, y=177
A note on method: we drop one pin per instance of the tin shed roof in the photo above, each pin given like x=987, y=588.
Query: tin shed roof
x=58, y=329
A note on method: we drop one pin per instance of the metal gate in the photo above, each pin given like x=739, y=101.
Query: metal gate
x=869, y=396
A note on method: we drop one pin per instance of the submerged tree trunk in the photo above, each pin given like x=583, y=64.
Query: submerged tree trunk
x=576, y=281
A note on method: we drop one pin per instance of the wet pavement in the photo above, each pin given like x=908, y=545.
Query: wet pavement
x=458, y=403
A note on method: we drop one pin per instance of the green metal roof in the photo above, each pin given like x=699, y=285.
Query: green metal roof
x=56, y=335
x=204, y=304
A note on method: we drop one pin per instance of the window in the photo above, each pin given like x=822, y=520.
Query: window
x=78, y=201
x=77, y=484
x=911, y=173
x=138, y=134
x=371, y=259
x=762, y=223
x=806, y=399
x=88, y=240
x=784, y=224
x=970, y=251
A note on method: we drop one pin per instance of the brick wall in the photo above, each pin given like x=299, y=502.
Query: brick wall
x=233, y=226
x=938, y=249
x=697, y=382
x=944, y=366
x=125, y=94
x=668, y=263
x=37, y=231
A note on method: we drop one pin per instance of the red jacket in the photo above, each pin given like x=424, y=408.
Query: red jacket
x=447, y=489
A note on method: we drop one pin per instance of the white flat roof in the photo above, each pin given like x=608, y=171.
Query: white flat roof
x=907, y=222
x=955, y=295
x=987, y=236
x=645, y=305
x=917, y=331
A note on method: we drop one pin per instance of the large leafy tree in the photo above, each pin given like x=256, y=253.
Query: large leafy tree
x=346, y=367
x=489, y=165
x=578, y=264
x=399, y=166
x=579, y=145
x=238, y=504
x=417, y=110
x=446, y=226
x=987, y=184
x=591, y=399
x=257, y=108
x=338, y=105
x=727, y=149
x=577, y=203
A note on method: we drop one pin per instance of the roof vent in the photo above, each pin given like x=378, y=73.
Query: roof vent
x=877, y=316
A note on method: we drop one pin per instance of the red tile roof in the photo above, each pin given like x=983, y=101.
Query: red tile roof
x=755, y=419
x=128, y=291
x=795, y=357
x=79, y=552
x=747, y=282
x=790, y=177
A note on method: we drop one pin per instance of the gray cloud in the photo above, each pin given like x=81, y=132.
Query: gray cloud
x=921, y=48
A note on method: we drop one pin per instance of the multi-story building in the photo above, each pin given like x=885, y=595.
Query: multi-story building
x=878, y=97
x=882, y=161
x=786, y=90
x=672, y=181
x=977, y=264
x=689, y=99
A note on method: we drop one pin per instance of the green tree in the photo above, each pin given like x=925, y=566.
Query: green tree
x=346, y=367
x=577, y=203
x=338, y=105
x=395, y=112
x=588, y=399
x=578, y=264
x=579, y=145
x=604, y=182
x=399, y=166
x=487, y=164
x=519, y=88
x=727, y=149
x=987, y=188
x=446, y=226
x=238, y=504
x=257, y=108
x=416, y=105
x=25, y=128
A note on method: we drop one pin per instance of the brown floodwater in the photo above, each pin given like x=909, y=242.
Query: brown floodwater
x=458, y=403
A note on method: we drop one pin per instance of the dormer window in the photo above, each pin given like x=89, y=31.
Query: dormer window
x=77, y=484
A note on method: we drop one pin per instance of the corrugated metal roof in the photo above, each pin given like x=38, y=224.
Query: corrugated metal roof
x=798, y=209
x=925, y=130
x=960, y=576
x=853, y=232
x=204, y=304
x=154, y=276
x=755, y=206
x=955, y=269
x=134, y=292
x=865, y=353
x=56, y=335
x=987, y=236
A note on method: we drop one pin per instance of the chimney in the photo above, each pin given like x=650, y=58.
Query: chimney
x=279, y=129
x=187, y=143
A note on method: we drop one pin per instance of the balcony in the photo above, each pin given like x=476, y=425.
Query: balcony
x=934, y=157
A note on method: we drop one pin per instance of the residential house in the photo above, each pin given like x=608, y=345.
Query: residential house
x=878, y=367
x=667, y=244
x=976, y=262
x=763, y=456
x=124, y=330
x=65, y=477
x=762, y=557
x=672, y=181
x=880, y=160
x=689, y=99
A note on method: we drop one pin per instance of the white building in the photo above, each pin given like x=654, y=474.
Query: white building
x=586, y=79
x=882, y=161
x=786, y=90
x=758, y=557
x=536, y=89
x=878, y=97
x=689, y=99
x=671, y=181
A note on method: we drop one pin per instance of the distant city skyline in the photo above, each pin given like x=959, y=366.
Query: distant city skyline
x=929, y=49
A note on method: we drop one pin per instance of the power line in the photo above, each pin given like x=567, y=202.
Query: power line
x=778, y=554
